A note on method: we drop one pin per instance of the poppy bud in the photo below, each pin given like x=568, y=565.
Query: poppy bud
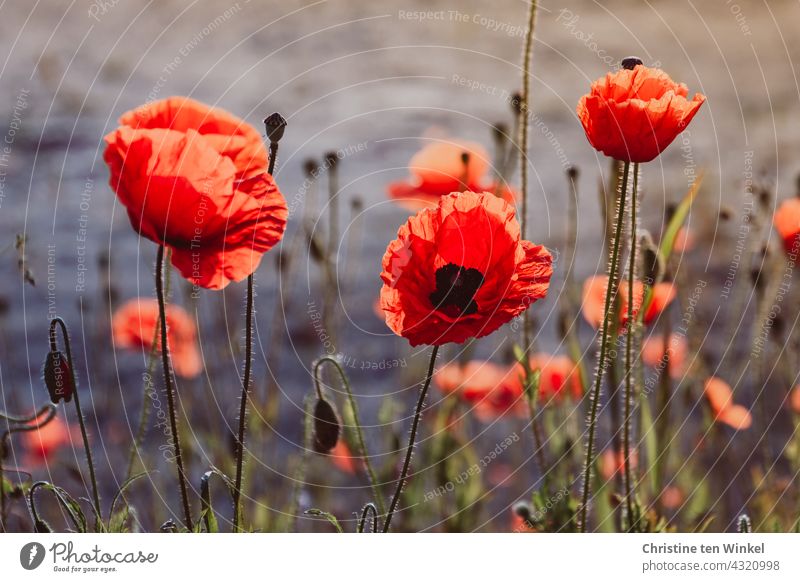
x=58, y=377
x=309, y=167
x=725, y=213
x=572, y=172
x=331, y=158
x=631, y=63
x=326, y=426
x=276, y=124
x=652, y=262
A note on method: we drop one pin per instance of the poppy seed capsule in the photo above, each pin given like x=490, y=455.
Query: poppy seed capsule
x=630, y=63
x=276, y=125
x=309, y=167
x=326, y=426
x=331, y=158
x=58, y=377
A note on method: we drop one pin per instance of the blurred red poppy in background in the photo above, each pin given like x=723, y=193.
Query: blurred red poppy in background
x=612, y=462
x=559, y=377
x=42, y=443
x=460, y=270
x=794, y=399
x=491, y=389
x=134, y=326
x=655, y=348
x=633, y=115
x=594, y=296
x=787, y=223
x=443, y=167
x=193, y=178
x=720, y=398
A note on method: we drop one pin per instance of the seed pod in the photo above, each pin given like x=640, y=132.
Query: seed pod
x=326, y=426
x=309, y=167
x=58, y=377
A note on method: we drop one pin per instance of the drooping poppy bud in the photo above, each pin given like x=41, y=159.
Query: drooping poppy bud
x=58, y=377
x=326, y=426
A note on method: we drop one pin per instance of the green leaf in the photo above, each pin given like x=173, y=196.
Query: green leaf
x=329, y=516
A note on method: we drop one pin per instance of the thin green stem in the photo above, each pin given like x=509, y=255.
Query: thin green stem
x=170, y=389
x=362, y=444
x=147, y=385
x=411, y=440
x=629, y=339
x=58, y=322
x=611, y=293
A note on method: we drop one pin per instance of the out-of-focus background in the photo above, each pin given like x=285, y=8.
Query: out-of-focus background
x=370, y=80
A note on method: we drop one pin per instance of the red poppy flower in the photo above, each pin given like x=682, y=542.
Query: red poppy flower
x=439, y=169
x=194, y=178
x=633, y=115
x=134, y=326
x=720, y=398
x=672, y=497
x=491, y=389
x=44, y=442
x=594, y=296
x=787, y=223
x=559, y=377
x=654, y=350
x=460, y=271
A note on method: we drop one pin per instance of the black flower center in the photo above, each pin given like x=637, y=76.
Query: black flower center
x=455, y=290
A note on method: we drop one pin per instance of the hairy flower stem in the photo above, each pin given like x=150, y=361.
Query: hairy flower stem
x=411, y=440
x=524, y=109
x=170, y=389
x=147, y=385
x=248, y=369
x=602, y=363
x=629, y=363
x=54, y=323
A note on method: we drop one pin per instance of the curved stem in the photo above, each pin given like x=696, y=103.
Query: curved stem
x=170, y=390
x=611, y=293
x=248, y=365
x=411, y=439
x=629, y=338
x=58, y=322
x=369, y=507
x=373, y=480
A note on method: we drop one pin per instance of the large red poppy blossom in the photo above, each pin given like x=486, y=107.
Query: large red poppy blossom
x=134, y=326
x=787, y=223
x=720, y=399
x=460, y=270
x=194, y=178
x=439, y=169
x=492, y=390
x=594, y=296
x=633, y=115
